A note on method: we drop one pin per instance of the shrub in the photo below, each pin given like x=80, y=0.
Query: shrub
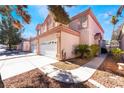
x=89, y=55
x=87, y=51
x=81, y=50
x=116, y=52
x=95, y=50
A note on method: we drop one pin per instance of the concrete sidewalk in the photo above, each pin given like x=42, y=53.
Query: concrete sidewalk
x=4, y=57
x=80, y=74
x=16, y=66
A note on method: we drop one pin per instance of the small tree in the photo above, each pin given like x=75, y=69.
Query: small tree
x=94, y=49
x=81, y=50
x=114, y=19
x=9, y=35
x=117, y=54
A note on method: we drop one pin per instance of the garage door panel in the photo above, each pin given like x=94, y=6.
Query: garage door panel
x=49, y=48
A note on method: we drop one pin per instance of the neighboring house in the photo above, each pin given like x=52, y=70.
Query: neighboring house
x=121, y=37
x=58, y=40
x=118, y=35
x=24, y=46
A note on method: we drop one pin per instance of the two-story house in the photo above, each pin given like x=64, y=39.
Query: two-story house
x=58, y=41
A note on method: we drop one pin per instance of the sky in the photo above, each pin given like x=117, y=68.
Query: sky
x=102, y=12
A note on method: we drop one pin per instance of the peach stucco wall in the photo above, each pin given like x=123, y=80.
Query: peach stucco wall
x=81, y=24
x=84, y=36
x=49, y=24
x=87, y=27
x=34, y=45
x=93, y=28
x=68, y=41
x=47, y=38
x=26, y=46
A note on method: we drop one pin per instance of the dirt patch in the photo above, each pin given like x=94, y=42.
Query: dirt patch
x=71, y=64
x=110, y=65
x=37, y=79
x=110, y=74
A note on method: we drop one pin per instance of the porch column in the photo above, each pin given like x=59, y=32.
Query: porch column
x=58, y=55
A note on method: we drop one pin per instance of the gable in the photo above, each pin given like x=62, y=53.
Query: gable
x=86, y=13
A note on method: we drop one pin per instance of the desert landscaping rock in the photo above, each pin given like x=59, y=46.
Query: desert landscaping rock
x=109, y=75
x=37, y=79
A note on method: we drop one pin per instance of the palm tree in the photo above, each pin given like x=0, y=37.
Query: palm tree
x=81, y=50
x=114, y=19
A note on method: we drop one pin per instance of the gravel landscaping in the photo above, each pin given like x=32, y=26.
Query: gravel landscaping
x=110, y=74
x=37, y=79
x=71, y=64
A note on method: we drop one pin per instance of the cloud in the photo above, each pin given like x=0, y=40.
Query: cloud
x=104, y=15
x=107, y=22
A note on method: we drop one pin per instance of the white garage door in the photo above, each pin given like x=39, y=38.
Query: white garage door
x=33, y=48
x=49, y=48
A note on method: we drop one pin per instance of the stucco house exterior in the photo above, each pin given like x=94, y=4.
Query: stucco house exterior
x=25, y=46
x=57, y=40
x=119, y=36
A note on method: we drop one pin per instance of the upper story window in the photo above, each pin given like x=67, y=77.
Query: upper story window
x=79, y=23
x=75, y=24
x=49, y=24
x=84, y=22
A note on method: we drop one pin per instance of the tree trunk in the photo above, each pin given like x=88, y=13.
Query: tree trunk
x=10, y=46
x=82, y=55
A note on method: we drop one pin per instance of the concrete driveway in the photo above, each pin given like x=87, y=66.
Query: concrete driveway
x=16, y=66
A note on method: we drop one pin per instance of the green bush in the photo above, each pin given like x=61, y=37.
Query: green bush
x=87, y=51
x=94, y=49
x=81, y=50
x=116, y=52
x=89, y=55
